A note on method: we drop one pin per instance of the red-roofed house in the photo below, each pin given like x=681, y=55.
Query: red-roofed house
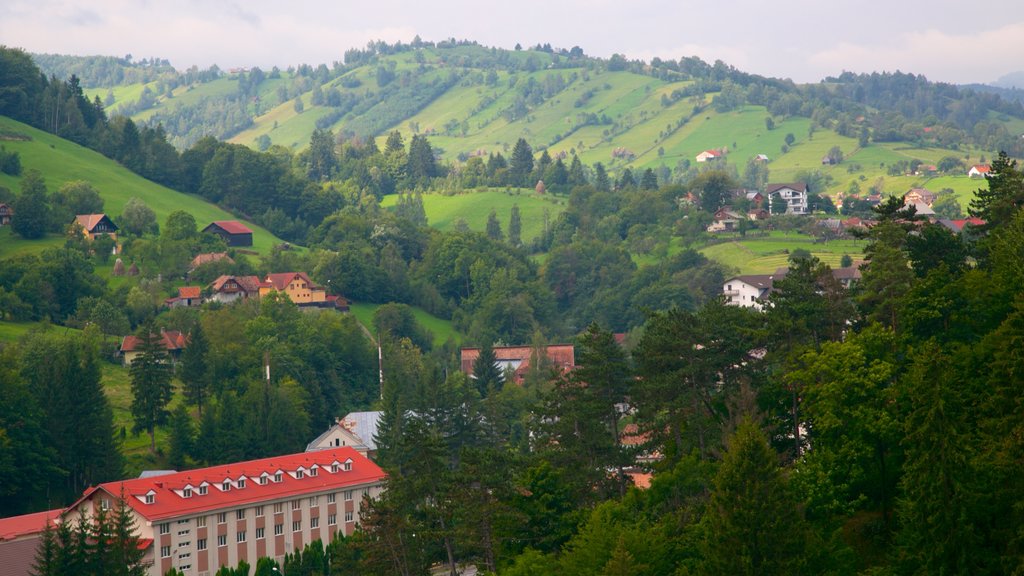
x=187, y=296
x=297, y=286
x=172, y=340
x=200, y=520
x=94, y=225
x=19, y=538
x=518, y=358
x=709, y=155
x=6, y=214
x=232, y=231
x=979, y=170
x=226, y=289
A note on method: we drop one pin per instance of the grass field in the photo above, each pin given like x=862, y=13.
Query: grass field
x=441, y=328
x=474, y=207
x=764, y=255
x=61, y=161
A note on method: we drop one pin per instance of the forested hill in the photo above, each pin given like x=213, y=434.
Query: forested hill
x=471, y=99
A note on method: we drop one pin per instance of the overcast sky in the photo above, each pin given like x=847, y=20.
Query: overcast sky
x=805, y=40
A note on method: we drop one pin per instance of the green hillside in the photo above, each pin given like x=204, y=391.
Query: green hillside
x=61, y=161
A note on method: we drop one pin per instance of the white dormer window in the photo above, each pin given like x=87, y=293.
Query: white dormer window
x=299, y=474
x=202, y=489
x=105, y=504
x=225, y=486
x=186, y=493
x=334, y=468
x=241, y=482
x=347, y=466
x=278, y=477
x=262, y=480
x=313, y=471
x=150, y=498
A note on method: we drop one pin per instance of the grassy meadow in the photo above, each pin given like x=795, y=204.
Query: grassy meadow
x=442, y=329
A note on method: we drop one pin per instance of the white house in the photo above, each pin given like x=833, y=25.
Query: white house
x=979, y=170
x=794, y=194
x=725, y=220
x=709, y=155
x=747, y=290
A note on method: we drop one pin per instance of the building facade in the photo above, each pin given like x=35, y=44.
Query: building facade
x=199, y=520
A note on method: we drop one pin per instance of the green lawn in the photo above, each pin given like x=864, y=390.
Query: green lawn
x=474, y=207
x=441, y=328
x=11, y=244
x=764, y=255
x=61, y=161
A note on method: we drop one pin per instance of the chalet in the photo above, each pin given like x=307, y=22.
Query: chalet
x=793, y=194
x=197, y=521
x=296, y=285
x=725, y=220
x=751, y=290
x=94, y=225
x=232, y=231
x=920, y=196
x=226, y=289
x=710, y=155
x=349, y=431
x=518, y=359
x=172, y=340
x=761, y=158
x=6, y=213
x=20, y=537
x=209, y=258
x=187, y=296
x=979, y=171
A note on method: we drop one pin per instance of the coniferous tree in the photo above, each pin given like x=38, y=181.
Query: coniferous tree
x=521, y=165
x=151, y=383
x=494, y=227
x=601, y=180
x=515, y=227
x=486, y=374
x=182, y=439
x=193, y=370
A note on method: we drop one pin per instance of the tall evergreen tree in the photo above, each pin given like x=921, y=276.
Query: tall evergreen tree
x=494, y=227
x=486, y=374
x=193, y=370
x=648, y=181
x=521, y=164
x=151, y=383
x=182, y=439
x=601, y=180
x=422, y=166
x=31, y=207
x=515, y=227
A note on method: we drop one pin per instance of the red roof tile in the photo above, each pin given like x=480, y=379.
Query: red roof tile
x=172, y=340
x=232, y=227
x=189, y=292
x=15, y=526
x=561, y=355
x=169, y=503
x=280, y=280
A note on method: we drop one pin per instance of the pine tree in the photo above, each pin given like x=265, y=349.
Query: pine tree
x=494, y=227
x=151, y=384
x=601, y=180
x=182, y=437
x=193, y=370
x=648, y=181
x=125, y=553
x=521, y=165
x=752, y=525
x=515, y=227
x=486, y=374
x=576, y=175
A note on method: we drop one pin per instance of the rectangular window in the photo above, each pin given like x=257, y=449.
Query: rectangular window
x=259, y=511
x=183, y=532
x=334, y=468
x=202, y=490
x=299, y=474
x=263, y=480
x=331, y=498
x=201, y=522
x=222, y=517
x=186, y=493
x=348, y=495
x=240, y=537
x=332, y=519
x=184, y=556
x=314, y=522
x=222, y=540
x=240, y=514
x=225, y=486
x=314, y=500
x=278, y=477
x=201, y=544
x=185, y=544
x=150, y=498
x=184, y=567
x=165, y=551
x=296, y=525
x=165, y=528
x=278, y=529
x=105, y=503
x=348, y=516
x=346, y=466
x=313, y=471
x=278, y=507
x=241, y=482
x=296, y=504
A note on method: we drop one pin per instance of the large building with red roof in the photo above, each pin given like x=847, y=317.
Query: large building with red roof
x=200, y=520
x=19, y=537
x=233, y=232
x=518, y=359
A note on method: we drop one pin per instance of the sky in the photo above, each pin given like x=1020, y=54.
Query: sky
x=805, y=40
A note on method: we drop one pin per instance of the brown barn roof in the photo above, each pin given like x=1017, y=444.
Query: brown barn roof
x=232, y=226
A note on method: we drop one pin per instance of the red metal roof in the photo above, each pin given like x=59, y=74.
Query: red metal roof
x=15, y=526
x=232, y=227
x=169, y=503
x=280, y=280
x=172, y=340
x=563, y=356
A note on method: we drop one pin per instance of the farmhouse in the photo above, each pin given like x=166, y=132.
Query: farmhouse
x=94, y=225
x=232, y=231
x=725, y=220
x=709, y=155
x=751, y=290
x=979, y=170
x=6, y=213
x=919, y=196
x=199, y=520
x=172, y=340
x=226, y=289
x=296, y=285
x=519, y=358
x=187, y=296
x=793, y=194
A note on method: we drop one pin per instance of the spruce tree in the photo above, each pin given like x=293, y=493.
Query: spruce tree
x=193, y=370
x=151, y=384
x=487, y=375
x=494, y=227
x=182, y=437
x=521, y=165
x=515, y=227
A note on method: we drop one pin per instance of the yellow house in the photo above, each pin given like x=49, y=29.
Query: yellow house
x=94, y=225
x=296, y=285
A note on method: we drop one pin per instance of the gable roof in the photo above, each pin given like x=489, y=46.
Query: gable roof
x=563, y=356
x=230, y=226
x=27, y=524
x=189, y=292
x=364, y=425
x=981, y=168
x=280, y=280
x=207, y=258
x=250, y=284
x=797, y=186
x=168, y=501
x=89, y=221
x=759, y=281
x=171, y=339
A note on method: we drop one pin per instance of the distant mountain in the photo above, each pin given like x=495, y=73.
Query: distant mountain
x=1011, y=80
